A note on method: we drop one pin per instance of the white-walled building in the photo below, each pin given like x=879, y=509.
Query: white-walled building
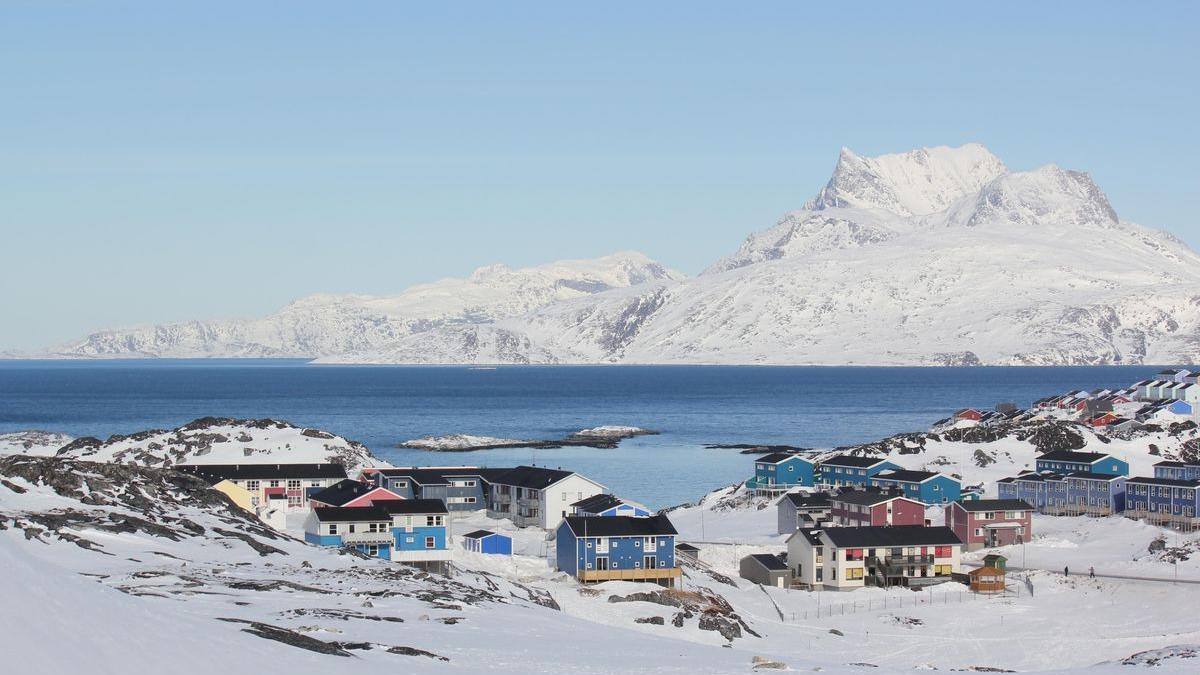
x=533, y=496
x=846, y=558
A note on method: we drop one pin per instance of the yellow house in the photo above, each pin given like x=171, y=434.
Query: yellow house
x=236, y=493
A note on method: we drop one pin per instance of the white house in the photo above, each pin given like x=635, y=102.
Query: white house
x=847, y=558
x=532, y=496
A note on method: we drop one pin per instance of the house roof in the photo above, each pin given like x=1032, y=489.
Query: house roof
x=338, y=514
x=777, y=457
x=343, y=491
x=995, y=505
x=891, y=535
x=807, y=499
x=438, y=475
x=854, y=461
x=619, y=526
x=686, y=547
x=906, y=476
x=413, y=506
x=597, y=503
x=265, y=471
x=1168, y=462
x=865, y=497
x=1171, y=482
x=1088, y=475
x=532, y=477
x=769, y=561
x=481, y=534
x=1073, y=456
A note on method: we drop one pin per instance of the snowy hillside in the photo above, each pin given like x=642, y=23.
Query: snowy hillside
x=220, y=440
x=338, y=324
x=939, y=256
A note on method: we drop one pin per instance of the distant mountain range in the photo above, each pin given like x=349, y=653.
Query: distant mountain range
x=939, y=256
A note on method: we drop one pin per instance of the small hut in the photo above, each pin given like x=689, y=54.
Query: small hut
x=987, y=580
x=996, y=560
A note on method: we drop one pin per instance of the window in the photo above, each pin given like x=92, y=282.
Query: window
x=429, y=542
x=332, y=529
x=398, y=484
x=273, y=483
x=409, y=540
x=854, y=573
x=350, y=528
x=252, y=485
x=314, y=483
x=979, y=532
x=372, y=549
x=433, y=521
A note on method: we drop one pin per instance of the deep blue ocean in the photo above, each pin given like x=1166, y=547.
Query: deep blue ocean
x=383, y=405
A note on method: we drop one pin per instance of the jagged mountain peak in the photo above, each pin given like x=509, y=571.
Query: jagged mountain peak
x=917, y=182
x=1048, y=196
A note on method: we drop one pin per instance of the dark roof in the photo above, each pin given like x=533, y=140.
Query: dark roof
x=408, y=506
x=597, y=503
x=436, y=476
x=777, y=457
x=854, y=461
x=342, y=492
x=1072, y=456
x=1172, y=482
x=619, y=526
x=891, y=535
x=995, y=505
x=328, y=514
x=808, y=500
x=769, y=561
x=906, y=476
x=533, y=477
x=686, y=547
x=1038, y=477
x=480, y=534
x=865, y=497
x=265, y=471
x=1088, y=475
x=1176, y=464
x=812, y=535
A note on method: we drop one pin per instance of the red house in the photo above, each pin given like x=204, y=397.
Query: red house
x=1103, y=419
x=866, y=508
x=990, y=522
x=968, y=414
x=352, y=494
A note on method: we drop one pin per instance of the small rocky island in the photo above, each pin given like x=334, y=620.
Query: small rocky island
x=604, y=437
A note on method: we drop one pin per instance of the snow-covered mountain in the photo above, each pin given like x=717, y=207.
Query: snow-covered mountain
x=932, y=257
x=339, y=324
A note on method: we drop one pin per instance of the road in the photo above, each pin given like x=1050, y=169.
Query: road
x=1099, y=575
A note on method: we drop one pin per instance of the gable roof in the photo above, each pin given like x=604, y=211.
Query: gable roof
x=907, y=476
x=769, y=561
x=337, y=514
x=440, y=475
x=345, y=491
x=265, y=471
x=1073, y=456
x=1088, y=475
x=413, y=506
x=995, y=505
x=1167, y=462
x=532, y=477
x=854, y=461
x=866, y=497
x=1170, y=482
x=777, y=457
x=597, y=503
x=808, y=500
x=619, y=526
x=683, y=546
x=482, y=534
x=891, y=535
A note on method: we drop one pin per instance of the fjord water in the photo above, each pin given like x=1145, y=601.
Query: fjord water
x=381, y=406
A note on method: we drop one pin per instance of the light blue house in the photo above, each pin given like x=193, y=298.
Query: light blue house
x=1163, y=500
x=1069, y=461
x=608, y=505
x=1177, y=470
x=1095, y=494
x=782, y=471
x=927, y=487
x=486, y=541
x=852, y=470
x=1181, y=407
x=418, y=530
x=604, y=548
x=365, y=529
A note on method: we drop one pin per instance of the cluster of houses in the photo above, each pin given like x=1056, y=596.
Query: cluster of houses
x=782, y=472
x=1066, y=482
x=402, y=514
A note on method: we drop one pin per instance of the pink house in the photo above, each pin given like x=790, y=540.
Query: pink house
x=352, y=494
x=990, y=522
x=866, y=508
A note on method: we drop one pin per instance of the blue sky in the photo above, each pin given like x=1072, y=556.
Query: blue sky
x=163, y=161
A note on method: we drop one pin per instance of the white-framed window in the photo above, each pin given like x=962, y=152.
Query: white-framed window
x=252, y=485
x=399, y=484
x=430, y=542
x=293, y=484
x=332, y=528
x=372, y=549
x=272, y=483
x=409, y=540
x=314, y=483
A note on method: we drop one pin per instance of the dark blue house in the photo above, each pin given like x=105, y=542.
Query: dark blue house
x=604, y=548
x=927, y=487
x=852, y=470
x=1168, y=501
x=1070, y=461
x=1046, y=492
x=781, y=471
x=1177, y=470
x=486, y=541
x=461, y=488
x=1095, y=494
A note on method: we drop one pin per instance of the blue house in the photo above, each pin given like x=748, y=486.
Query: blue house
x=461, y=488
x=1163, y=500
x=608, y=505
x=365, y=529
x=1095, y=494
x=418, y=529
x=1181, y=407
x=1069, y=461
x=604, y=548
x=782, y=471
x=486, y=541
x=927, y=487
x=852, y=470
x=1177, y=470
x=1046, y=492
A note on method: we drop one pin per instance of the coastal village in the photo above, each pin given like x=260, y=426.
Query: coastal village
x=847, y=520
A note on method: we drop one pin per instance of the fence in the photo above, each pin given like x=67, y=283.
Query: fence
x=917, y=599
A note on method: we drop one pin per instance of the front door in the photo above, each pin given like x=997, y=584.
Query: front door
x=602, y=563
x=649, y=562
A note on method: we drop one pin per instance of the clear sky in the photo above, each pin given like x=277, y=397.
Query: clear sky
x=167, y=160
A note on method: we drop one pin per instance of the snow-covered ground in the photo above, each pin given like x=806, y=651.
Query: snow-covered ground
x=451, y=442
x=37, y=443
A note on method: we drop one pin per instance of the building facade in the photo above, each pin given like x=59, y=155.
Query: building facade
x=1164, y=501
x=291, y=482
x=850, y=470
x=780, y=472
x=606, y=548
x=990, y=522
x=927, y=487
x=538, y=497
x=865, y=508
x=1069, y=461
x=848, y=558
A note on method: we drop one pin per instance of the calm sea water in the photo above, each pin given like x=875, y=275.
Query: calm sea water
x=381, y=406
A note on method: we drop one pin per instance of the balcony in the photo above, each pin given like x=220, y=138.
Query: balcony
x=503, y=499
x=655, y=574
x=895, y=565
x=529, y=502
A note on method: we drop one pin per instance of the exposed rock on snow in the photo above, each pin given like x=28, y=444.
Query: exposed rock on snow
x=38, y=443
x=461, y=443
x=222, y=440
x=612, y=432
x=604, y=437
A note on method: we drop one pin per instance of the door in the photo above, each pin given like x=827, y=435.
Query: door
x=779, y=582
x=649, y=562
x=602, y=563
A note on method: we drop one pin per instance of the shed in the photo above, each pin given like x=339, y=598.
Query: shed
x=996, y=560
x=766, y=569
x=688, y=551
x=486, y=541
x=986, y=580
